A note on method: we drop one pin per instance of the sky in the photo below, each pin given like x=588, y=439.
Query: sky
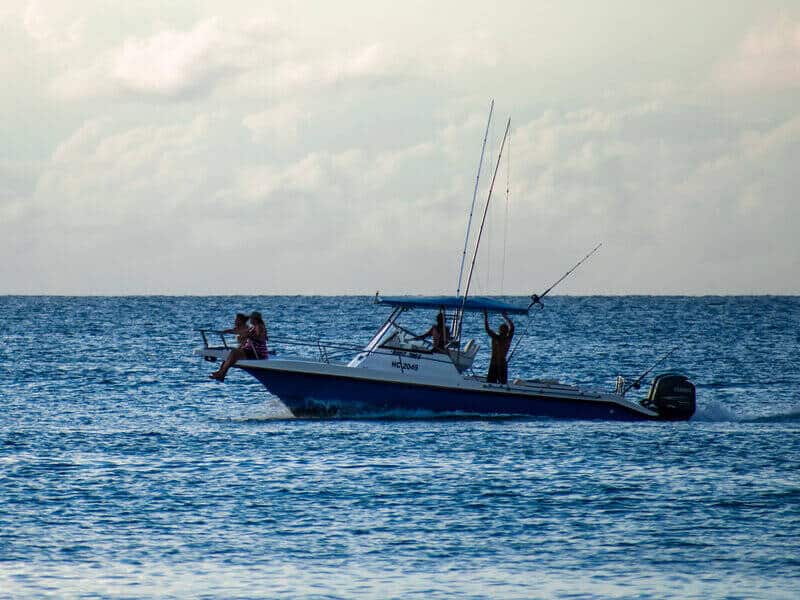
x=332, y=147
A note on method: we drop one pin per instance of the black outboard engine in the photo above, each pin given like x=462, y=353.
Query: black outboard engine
x=672, y=395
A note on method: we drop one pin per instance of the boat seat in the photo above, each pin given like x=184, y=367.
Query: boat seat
x=471, y=347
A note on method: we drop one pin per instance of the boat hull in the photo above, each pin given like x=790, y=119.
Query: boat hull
x=343, y=392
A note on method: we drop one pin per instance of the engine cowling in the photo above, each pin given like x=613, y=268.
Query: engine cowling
x=673, y=396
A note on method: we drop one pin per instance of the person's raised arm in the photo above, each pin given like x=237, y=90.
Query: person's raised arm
x=488, y=329
x=510, y=324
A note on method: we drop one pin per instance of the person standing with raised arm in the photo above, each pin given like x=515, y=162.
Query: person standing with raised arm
x=501, y=343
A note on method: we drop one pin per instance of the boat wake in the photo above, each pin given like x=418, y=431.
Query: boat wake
x=428, y=415
x=793, y=416
x=244, y=420
x=718, y=413
x=420, y=415
x=381, y=415
x=275, y=413
x=714, y=412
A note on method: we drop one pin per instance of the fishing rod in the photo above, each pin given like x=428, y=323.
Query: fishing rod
x=636, y=383
x=474, y=196
x=483, y=222
x=537, y=298
x=456, y=321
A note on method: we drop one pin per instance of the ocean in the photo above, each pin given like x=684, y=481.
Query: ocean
x=126, y=472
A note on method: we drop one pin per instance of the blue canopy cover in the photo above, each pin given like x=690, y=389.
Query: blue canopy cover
x=473, y=304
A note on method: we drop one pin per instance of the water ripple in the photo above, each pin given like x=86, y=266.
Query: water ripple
x=125, y=472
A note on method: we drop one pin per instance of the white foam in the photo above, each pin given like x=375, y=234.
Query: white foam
x=714, y=412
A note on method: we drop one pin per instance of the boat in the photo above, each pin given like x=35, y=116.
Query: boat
x=396, y=374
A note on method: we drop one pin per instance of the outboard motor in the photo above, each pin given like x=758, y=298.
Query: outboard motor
x=672, y=395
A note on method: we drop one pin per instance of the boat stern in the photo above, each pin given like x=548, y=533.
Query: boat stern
x=672, y=396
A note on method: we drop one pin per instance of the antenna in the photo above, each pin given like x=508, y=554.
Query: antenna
x=472, y=210
x=505, y=223
x=483, y=222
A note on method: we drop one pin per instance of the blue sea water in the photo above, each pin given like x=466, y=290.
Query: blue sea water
x=126, y=472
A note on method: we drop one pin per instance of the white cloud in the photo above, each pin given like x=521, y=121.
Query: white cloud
x=355, y=219
x=17, y=183
x=52, y=25
x=17, y=178
x=8, y=12
x=773, y=143
x=170, y=63
x=280, y=123
x=255, y=56
x=337, y=147
x=351, y=172
x=696, y=209
x=300, y=73
x=99, y=178
x=767, y=58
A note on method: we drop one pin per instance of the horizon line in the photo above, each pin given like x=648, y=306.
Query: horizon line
x=361, y=295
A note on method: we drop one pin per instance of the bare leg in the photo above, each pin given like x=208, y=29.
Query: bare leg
x=235, y=355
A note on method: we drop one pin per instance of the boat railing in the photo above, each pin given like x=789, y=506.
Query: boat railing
x=328, y=351
x=216, y=339
x=325, y=350
x=216, y=333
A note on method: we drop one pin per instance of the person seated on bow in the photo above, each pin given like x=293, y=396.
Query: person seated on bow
x=239, y=328
x=439, y=334
x=254, y=346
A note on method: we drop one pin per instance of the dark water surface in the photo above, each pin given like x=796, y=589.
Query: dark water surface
x=125, y=472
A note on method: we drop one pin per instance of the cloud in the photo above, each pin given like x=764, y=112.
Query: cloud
x=116, y=201
x=280, y=123
x=351, y=173
x=115, y=209
x=337, y=156
x=768, y=59
x=774, y=142
x=52, y=26
x=170, y=63
x=677, y=214
x=17, y=178
x=17, y=183
x=695, y=208
x=301, y=73
x=101, y=182
x=255, y=57
x=372, y=61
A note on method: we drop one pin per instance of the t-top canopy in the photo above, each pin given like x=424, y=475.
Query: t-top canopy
x=474, y=304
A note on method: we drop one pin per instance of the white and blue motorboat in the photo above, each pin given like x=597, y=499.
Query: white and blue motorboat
x=398, y=375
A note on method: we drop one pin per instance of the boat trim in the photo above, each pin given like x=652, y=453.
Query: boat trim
x=313, y=369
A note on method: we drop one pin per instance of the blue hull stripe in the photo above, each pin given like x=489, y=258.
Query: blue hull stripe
x=312, y=394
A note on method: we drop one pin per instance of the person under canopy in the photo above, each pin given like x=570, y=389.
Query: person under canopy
x=439, y=334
